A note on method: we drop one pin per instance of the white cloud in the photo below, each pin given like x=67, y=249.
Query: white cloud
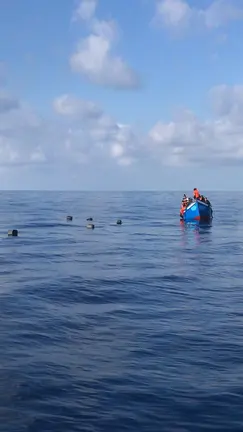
x=190, y=140
x=90, y=133
x=38, y=155
x=221, y=12
x=85, y=10
x=81, y=133
x=7, y=103
x=117, y=150
x=71, y=106
x=227, y=102
x=21, y=131
x=179, y=14
x=95, y=60
x=173, y=12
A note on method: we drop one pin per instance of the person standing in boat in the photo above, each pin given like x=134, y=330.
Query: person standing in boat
x=196, y=194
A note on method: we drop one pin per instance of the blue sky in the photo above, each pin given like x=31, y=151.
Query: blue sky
x=95, y=95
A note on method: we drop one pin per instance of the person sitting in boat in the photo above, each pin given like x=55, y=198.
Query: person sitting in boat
x=184, y=199
x=204, y=199
x=196, y=194
x=182, y=209
x=184, y=204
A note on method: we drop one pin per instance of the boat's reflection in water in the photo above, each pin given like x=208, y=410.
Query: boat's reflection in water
x=195, y=230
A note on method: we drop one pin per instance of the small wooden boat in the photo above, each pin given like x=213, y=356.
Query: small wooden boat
x=197, y=210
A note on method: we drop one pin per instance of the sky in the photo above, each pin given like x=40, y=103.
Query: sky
x=121, y=95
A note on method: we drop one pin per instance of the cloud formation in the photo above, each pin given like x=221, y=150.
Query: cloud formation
x=22, y=133
x=218, y=141
x=71, y=106
x=85, y=10
x=7, y=103
x=94, y=58
x=177, y=14
x=80, y=132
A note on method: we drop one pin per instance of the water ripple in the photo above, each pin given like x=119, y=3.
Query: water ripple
x=132, y=328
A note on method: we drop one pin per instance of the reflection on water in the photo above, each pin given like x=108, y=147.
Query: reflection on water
x=195, y=232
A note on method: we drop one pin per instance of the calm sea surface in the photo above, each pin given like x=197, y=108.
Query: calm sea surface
x=136, y=327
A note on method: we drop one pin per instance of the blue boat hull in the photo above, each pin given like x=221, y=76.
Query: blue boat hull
x=198, y=211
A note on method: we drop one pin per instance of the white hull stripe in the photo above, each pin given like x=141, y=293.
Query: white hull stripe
x=203, y=203
x=195, y=202
x=190, y=206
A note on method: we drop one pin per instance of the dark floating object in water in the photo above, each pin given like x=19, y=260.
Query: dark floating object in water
x=69, y=218
x=90, y=226
x=119, y=222
x=13, y=233
x=90, y=219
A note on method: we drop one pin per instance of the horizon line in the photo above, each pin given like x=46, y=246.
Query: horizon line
x=115, y=190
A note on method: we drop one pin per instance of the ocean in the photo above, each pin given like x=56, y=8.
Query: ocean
x=135, y=327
